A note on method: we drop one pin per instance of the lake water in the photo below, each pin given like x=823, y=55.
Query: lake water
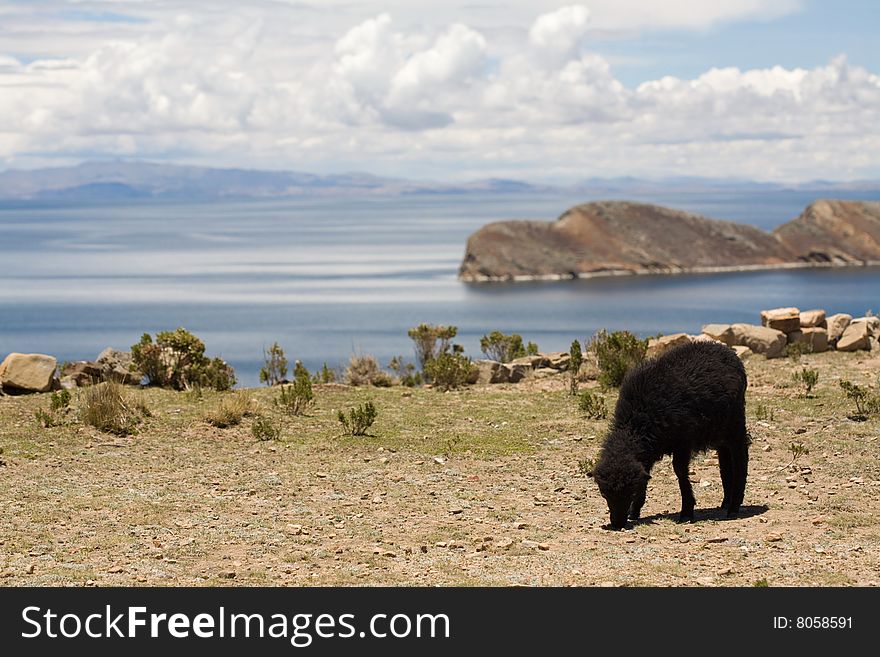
x=330, y=277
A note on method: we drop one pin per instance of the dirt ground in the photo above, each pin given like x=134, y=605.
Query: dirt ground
x=476, y=487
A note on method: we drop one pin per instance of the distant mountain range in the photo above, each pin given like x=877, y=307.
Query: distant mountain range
x=133, y=180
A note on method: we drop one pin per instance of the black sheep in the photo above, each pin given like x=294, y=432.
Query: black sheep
x=687, y=400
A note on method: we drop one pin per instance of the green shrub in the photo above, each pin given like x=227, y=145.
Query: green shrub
x=406, y=372
x=324, y=375
x=431, y=341
x=297, y=397
x=59, y=400
x=274, y=369
x=230, y=411
x=448, y=371
x=586, y=466
x=593, y=405
x=616, y=354
x=177, y=360
x=809, y=378
x=106, y=407
x=263, y=429
x=577, y=359
x=857, y=394
x=505, y=348
x=794, y=350
x=359, y=419
x=47, y=419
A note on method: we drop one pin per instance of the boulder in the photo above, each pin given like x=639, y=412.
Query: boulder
x=782, y=319
x=118, y=366
x=816, y=338
x=837, y=325
x=813, y=318
x=532, y=362
x=742, y=351
x=760, y=339
x=702, y=337
x=82, y=373
x=657, y=346
x=558, y=360
x=872, y=322
x=516, y=372
x=857, y=336
x=491, y=371
x=27, y=373
x=719, y=332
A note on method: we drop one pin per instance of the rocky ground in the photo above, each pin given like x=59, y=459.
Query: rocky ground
x=478, y=487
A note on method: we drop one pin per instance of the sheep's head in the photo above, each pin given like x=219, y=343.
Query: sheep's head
x=619, y=477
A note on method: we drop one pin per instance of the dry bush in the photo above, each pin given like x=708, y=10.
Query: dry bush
x=106, y=407
x=364, y=371
x=231, y=410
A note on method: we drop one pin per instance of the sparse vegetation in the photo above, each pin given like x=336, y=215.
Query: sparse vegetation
x=231, y=410
x=794, y=350
x=577, y=359
x=430, y=341
x=808, y=377
x=359, y=419
x=59, y=400
x=274, y=369
x=406, y=372
x=586, y=466
x=763, y=412
x=593, y=405
x=858, y=395
x=264, y=428
x=107, y=408
x=797, y=450
x=449, y=371
x=505, y=348
x=297, y=398
x=616, y=353
x=324, y=375
x=177, y=360
x=364, y=371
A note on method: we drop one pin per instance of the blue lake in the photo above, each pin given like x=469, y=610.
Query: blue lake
x=330, y=277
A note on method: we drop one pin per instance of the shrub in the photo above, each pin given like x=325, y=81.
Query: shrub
x=593, y=405
x=230, y=411
x=857, y=394
x=505, y=348
x=577, y=359
x=586, y=466
x=324, y=375
x=105, y=407
x=59, y=400
x=764, y=412
x=616, y=353
x=406, y=372
x=297, y=397
x=177, y=360
x=359, y=419
x=431, y=341
x=797, y=450
x=794, y=350
x=809, y=378
x=47, y=419
x=263, y=428
x=448, y=371
x=364, y=370
x=274, y=370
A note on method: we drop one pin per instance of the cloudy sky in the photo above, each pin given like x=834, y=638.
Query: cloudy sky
x=784, y=90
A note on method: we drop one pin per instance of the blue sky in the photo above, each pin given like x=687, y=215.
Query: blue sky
x=783, y=90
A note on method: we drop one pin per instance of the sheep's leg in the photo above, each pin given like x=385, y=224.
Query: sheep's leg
x=740, y=461
x=681, y=460
x=638, y=502
x=724, y=464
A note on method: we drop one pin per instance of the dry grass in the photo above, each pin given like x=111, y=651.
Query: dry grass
x=231, y=410
x=107, y=408
x=480, y=485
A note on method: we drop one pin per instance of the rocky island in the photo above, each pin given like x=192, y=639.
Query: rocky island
x=608, y=238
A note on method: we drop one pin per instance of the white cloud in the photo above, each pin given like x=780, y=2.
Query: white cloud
x=438, y=100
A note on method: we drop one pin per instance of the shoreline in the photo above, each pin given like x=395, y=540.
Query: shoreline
x=671, y=271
